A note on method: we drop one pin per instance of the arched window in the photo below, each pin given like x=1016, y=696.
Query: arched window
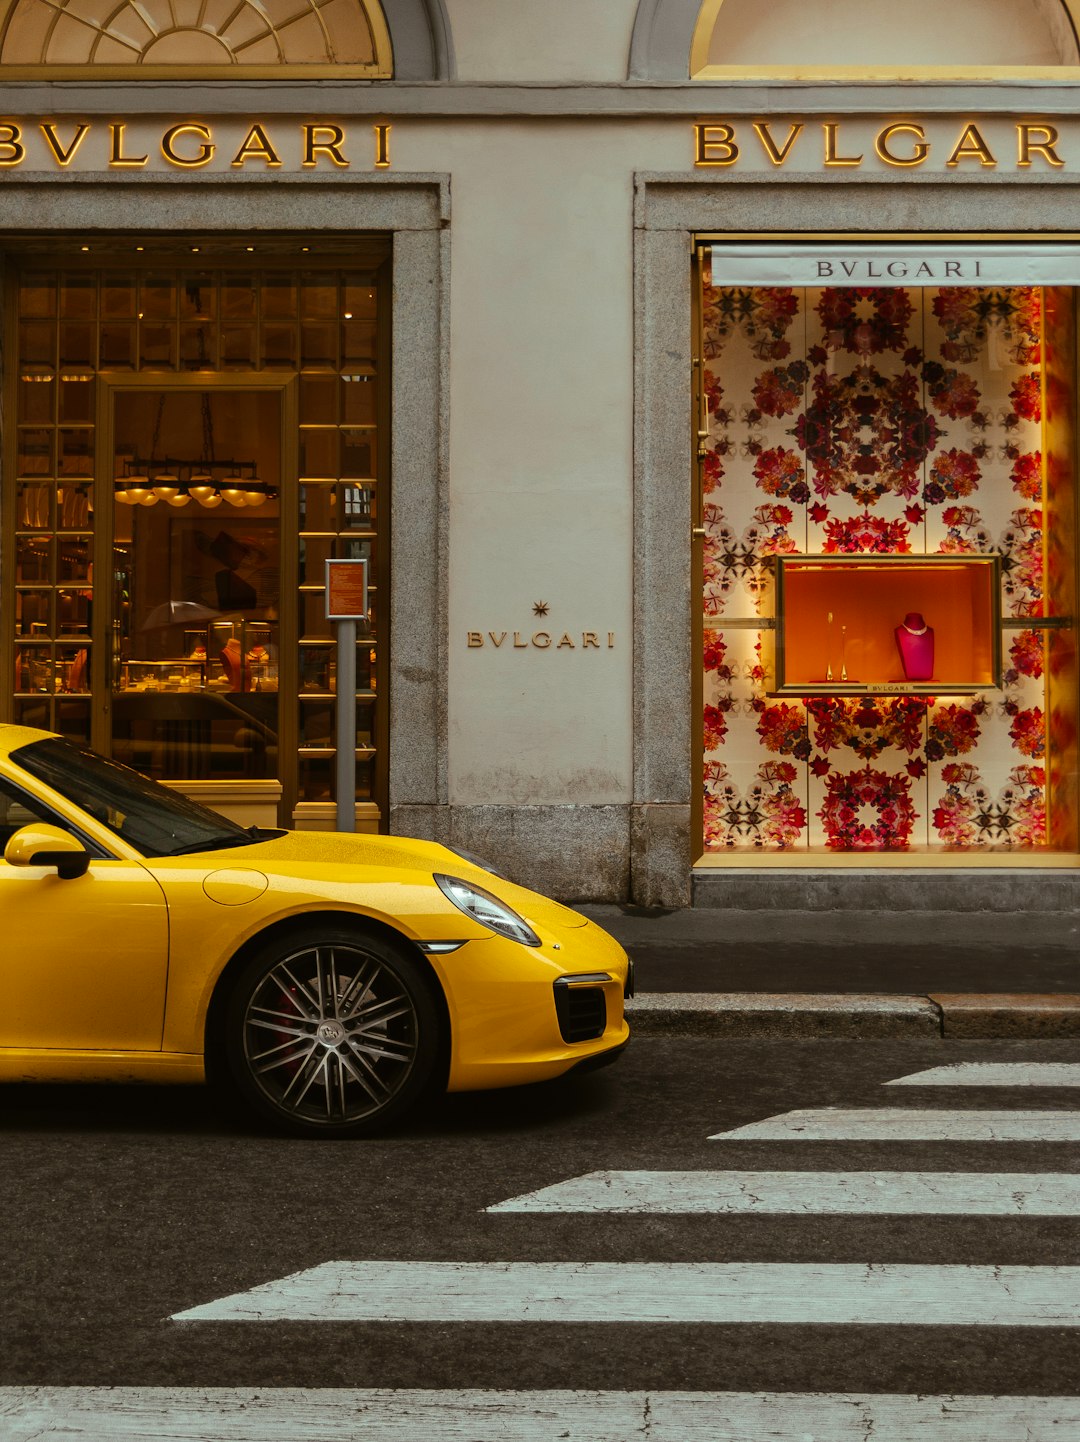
x=172, y=38
x=879, y=39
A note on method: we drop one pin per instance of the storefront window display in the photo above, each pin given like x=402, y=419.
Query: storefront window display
x=192, y=440
x=905, y=437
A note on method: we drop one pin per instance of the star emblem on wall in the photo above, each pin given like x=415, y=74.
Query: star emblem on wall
x=540, y=608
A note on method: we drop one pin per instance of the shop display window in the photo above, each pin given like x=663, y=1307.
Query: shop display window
x=189, y=446
x=870, y=458
x=885, y=625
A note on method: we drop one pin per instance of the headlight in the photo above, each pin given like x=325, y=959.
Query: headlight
x=488, y=910
x=477, y=861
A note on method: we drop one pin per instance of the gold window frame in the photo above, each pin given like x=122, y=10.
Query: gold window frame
x=775, y=630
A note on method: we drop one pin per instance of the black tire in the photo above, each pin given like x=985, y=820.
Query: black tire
x=330, y=1034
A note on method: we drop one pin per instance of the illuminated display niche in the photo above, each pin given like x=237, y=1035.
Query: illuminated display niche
x=837, y=617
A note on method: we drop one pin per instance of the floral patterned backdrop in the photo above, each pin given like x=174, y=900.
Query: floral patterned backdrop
x=885, y=421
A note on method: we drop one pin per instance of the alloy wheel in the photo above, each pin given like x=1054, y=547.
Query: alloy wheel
x=331, y=1035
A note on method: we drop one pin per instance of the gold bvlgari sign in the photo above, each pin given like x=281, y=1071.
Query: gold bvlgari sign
x=898, y=144
x=191, y=144
x=541, y=640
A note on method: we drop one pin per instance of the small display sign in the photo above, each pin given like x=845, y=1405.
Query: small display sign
x=346, y=590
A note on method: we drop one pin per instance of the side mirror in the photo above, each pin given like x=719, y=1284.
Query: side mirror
x=42, y=845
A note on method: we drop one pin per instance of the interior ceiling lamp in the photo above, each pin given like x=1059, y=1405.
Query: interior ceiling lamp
x=178, y=481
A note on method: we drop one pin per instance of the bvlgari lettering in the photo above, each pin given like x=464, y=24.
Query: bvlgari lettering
x=64, y=154
x=539, y=641
x=324, y=140
x=189, y=144
x=203, y=153
x=777, y=153
x=857, y=271
x=902, y=144
x=972, y=146
x=257, y=146
x=919, y=148
x=1046, y=147
x=12, y=150
x=117, y=159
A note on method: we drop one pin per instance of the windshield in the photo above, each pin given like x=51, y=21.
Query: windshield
x=155, y=820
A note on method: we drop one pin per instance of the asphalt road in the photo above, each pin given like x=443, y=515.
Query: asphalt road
x=122, y=1207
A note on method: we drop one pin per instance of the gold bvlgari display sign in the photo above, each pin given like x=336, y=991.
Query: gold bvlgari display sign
x=891, y=144
x=192, y=144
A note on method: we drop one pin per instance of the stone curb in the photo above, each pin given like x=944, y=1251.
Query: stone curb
x=869, y=1017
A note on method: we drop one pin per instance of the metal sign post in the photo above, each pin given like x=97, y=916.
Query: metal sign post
x=346, y=603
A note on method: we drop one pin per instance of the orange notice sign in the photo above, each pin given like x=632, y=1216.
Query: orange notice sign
x=346, y=590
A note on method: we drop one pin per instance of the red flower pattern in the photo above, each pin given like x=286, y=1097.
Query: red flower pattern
x=1027, y=475
x=953, y=730
x=809, y=430
x=1026, y=396
x=715, y=725
x=779, y=392
x=779, y=472
x=866, y=533
x=953, y=393
x=866, y=434
x=715, y=651
x=1026, y=655
x=1028, y=730
x=868, y=811
x=953, y=473
x=864, y=321
x=782, y=729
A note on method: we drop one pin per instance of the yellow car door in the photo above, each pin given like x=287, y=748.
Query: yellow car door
x=83, y=960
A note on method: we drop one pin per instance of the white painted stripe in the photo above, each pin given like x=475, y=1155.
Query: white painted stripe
x=695, y=1292
x=345, y=1414
x=997, y=1194
x=895, y=1124
x=995, y=1074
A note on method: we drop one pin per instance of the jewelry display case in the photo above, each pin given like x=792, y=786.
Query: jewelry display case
x=894, y=625
x=170, y=675
x=241, y=655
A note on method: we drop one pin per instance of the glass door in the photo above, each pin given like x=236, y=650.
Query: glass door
x=193, y=631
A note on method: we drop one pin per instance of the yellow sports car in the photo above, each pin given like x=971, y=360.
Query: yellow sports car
x=328, y=981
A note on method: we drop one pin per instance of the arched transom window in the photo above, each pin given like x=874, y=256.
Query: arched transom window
x=144, y=38
x=878, y=38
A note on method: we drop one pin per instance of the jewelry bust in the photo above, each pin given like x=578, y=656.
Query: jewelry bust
x=915, y=642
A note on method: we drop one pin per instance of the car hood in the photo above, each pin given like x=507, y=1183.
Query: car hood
x=336, y=848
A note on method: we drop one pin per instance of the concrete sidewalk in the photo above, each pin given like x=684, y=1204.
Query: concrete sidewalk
x=712, y=972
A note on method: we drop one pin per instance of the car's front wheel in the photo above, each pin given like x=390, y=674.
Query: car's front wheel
x=334, y=1035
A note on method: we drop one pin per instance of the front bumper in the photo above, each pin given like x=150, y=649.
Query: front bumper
x=501, y=996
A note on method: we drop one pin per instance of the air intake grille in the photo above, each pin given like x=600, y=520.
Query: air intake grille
x=582, y=1011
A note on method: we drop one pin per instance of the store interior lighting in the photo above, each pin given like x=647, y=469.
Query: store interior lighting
x=178, y=482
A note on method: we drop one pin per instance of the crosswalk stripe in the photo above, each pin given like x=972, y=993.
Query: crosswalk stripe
x=995, y=1074
x=346, y=1414
x=873, y=1294
x=892, y=1124
x=1051, y=1194
x=293, y=1414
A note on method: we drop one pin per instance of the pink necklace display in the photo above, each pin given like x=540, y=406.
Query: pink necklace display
x=915, y=643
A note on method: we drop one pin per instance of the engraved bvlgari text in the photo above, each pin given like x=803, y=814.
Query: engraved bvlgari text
x=542, y=640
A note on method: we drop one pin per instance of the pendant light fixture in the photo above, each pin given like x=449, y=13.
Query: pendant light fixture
x=178, y=481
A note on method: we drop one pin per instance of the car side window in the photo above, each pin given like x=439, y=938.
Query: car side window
x=17, y=809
